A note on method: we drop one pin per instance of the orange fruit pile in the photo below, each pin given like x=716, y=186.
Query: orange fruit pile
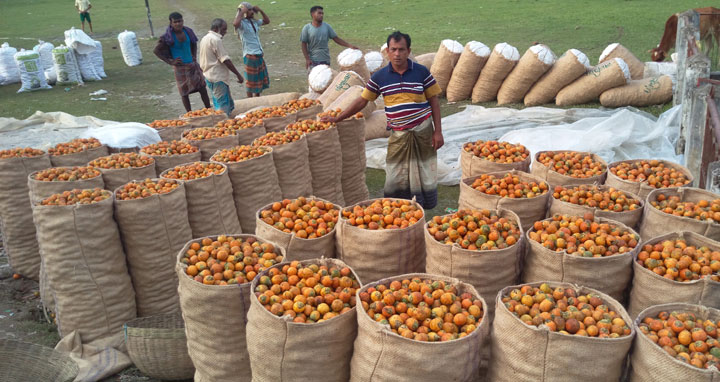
x=562, y=310
x=169, y=148
x=474, y=230
x=423, y=310
x=582, y=236
x=652, y=172
x=77, y=196
x=702, y=210
x=163, y=123
x=384, y=214
x=592, y=196
x=122, y=160
x=202, y=112
x=228, y=260
x=303, y=217
x=678, y=261
x=509, y=186
x=685, y=337
x=572, y=163
x=26, y=152
x=299, y=104
x=143, y=189
x=268, y=112
x=66, y=174
x=239, y=153
x=307, y=293
x=500, y=152
x=195, y=170
x=275, y=138
x=239, y=123
x=336, y=112
x=309, y=126
x=74, y=146
x=207, y=133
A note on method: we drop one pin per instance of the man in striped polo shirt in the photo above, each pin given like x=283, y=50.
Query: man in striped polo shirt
x=413, y=114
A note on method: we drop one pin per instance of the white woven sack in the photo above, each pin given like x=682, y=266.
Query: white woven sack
x=9, y=72
x=32, y=74
x=130, y=48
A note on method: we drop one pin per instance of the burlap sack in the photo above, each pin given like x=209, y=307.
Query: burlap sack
x=376, y=125
x=528, y=210
x=323, y=151
x=172, y=133
x=523, y=353
x=641, y=189
x=426, y=59
x=352, y=60
x=309, y=112
x=554, y=178
x=444, y=62
x=153, y=230
x=282, y=350
x=78, y=159
x=86, y=269
x=40, y=190
x=467, y=70
x=245, y=104
x=248, y=135
x=164, y=162
x=116, y=177
x=210, y=206
x=566, y=69
x=46, y=294
x=610, y=274
x=629, y=218
x=537, y=60
x=501, y=62
x=644, y=92
x=208, y=147
x=383, y=253
x=203, y=121
x=292, y=164
x=313, y=95
x=656, y=222
x=346, y=99
x=249, y=196
x=279, y=123
x=637, y=67
x=472, y=165
x=343, y=81
x=652, y=363
x=649, y=288
x=587, y=88
x=352, y=146
x=379, y=354
x=16, y=222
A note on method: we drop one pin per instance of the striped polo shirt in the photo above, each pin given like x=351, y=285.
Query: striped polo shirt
x=406, y=95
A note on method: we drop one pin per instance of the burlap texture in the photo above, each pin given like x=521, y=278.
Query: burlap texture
x=379, y=354
x=637, y=67
x=629, y=218
x=292, y=164
x=85, y=265
x=173, y=133
x=610, y=274
x=323, y=151
x=640, y=189
x=343, y=81
x=382, y=253
x=643, y=92
x=245, y=104
x=210, y=206
x=153, y=230
x=491, y=77
x=528, y=210
x=116, y=177
x=554, y=178
x=527, y=71
x=426, y=59
x=16, y=222
x=523, y=353
x=247, y=136
x=346, y=99
x=588, y=87
x=376, y=125
x=472, y=165
x=282, y=350
x=203, y=121
x=652, y=363
x=359, y=67
x=164, y=162
x=565, y=70
x=46, y=294
x=352, y=150
x=208, y=147
x=78, y=159
x=464, y=75
x=278, y=123
x=40, y=190
x=443, y=64
x=649, y=288
x=656, y=222
x=309, y=113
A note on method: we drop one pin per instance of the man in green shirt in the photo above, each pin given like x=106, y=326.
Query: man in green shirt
x=315, y=37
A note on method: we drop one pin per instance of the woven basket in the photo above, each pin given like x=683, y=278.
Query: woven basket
x=157, y=346
x=24, y=361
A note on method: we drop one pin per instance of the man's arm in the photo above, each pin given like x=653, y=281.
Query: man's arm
x=437, y=138
x=89, y=6
x=266, y=19
x=193, y=50
x=344, y=43
x=162, y=53
x=308, y=62
x=356, y=106
x=231, y=67
x=238, y=17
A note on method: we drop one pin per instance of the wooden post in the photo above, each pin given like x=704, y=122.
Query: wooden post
x=695, y=115
x=688, y=24
x=147, y=6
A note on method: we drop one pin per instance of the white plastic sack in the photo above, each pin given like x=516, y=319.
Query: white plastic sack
x=97, y=59
x=87, y=67
x=9, y=72
x=320, y=78
x=130, y=48
x=124, y=135
x=79, y=41
x=32, y=75
x=66, y=69
x=44, y=49
x=50, y=75
x=374, y=61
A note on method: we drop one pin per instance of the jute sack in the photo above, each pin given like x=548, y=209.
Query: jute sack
x=651, y=363
x=523, y=353
x=502, y=60
x=283, y=350
x=643, y=92
x=16, y=222
x=40, y=190
x=313, y=95
x=210, y=206
x=295, y=247
x=466, y=71
x=376, y=125
x=609, y=274
x=637, y=67
x=446, y=57
x=165, y=162
x=649, y=288
x=254, y=184
x=566, y=69
x=641, y=189
x=630, y=218
x=656, y=222
x=537, y=60
x=472, y=165
x=309, y=112
x=279, y=123
x=343, y=81
x=203, y=120
x=346, y=99
x=116, y=177
x=426, y=59
x=172, y=133
x=246, y=136
x=80, y=158
x=352, y=60
x=557, y=179
x=382, y=253
x=378, y=352
x=153, y=230
x=326, y=175
x=208, y=147
x=352, y=146
x=292, y=164
x=86, y=269
x=245, y=104
x=528, y=210
x=587, y=88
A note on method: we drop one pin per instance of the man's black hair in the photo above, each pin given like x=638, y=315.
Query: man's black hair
x=175, y=16
x=397, y=36
x=315, y=8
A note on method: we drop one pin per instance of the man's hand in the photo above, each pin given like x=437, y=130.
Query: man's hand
x=328, y=118
x=308, y=62
x=240, y=78
x=354, y=47
x=176, y=62
x=256, y=9
x=437, y=140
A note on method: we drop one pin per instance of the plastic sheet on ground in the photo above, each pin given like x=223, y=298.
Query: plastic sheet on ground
x=614, y=134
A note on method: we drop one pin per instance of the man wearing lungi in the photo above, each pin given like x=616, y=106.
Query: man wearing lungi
x=413, y=114
x=216, y=66
x=178, y=48
x=248, y=29
x=314, y=39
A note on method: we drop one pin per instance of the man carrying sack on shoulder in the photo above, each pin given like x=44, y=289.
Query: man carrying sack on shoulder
x=413, y=113
x=248, y=29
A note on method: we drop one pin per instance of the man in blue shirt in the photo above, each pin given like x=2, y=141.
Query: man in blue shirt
x=315, y=37
x=248, y=29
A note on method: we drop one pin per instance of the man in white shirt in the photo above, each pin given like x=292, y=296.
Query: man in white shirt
x=83, y=7
x=215, y=63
